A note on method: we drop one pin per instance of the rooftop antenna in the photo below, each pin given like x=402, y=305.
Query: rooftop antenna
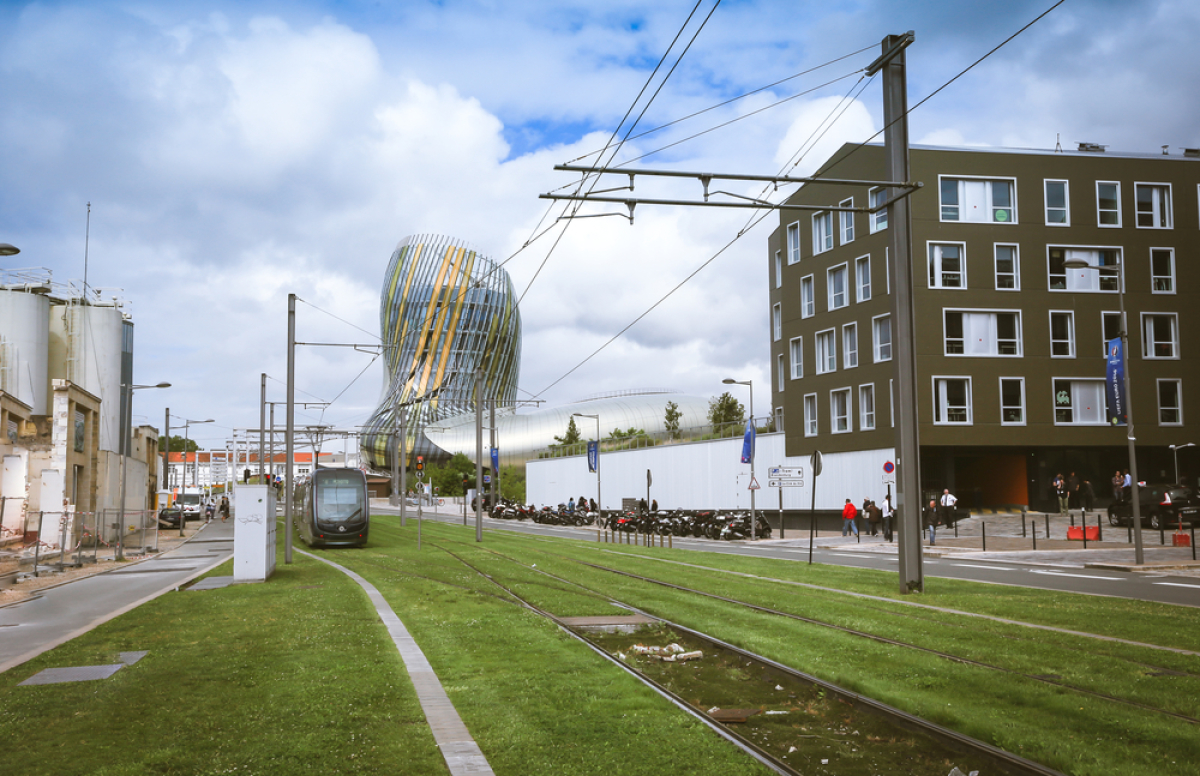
x=87, y=232
x=1058, y=142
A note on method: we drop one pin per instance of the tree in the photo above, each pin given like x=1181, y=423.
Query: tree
x=725, y=410
x=176, y=444
x=671, y=420
x=448, y=478
x=572, y=437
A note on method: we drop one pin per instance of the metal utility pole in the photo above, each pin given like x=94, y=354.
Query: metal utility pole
x=478, y=455
x=290, y=455
x=262, y=429
x=402, y=444
x=496, y=468
x=908, y=448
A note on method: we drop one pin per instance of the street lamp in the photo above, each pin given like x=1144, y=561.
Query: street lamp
x=183, y=480
x=750, y=383
x=1073, y=264
x=8, y=250
x=1175, y=449
x=596, y=417
x=129, y=389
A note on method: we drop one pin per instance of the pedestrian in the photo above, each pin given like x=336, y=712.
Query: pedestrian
x=582, y=504
x=931, y=520
x=571, y=504
x=1118, y=484
x=224, y=508
x=1073, y=490
x=654, y=505
x=888, y=515
x=1064, y=495
x=1126, y=486
x=874, y=516
x=849, y=513
x=1086, y=496
x=591, y=505
x=946, y=516
x=642, y=506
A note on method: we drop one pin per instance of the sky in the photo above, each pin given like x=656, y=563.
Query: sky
x=235, y=153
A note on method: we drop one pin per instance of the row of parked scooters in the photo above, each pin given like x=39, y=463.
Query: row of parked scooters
x=709, y=524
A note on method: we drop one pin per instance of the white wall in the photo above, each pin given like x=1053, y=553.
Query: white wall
x=709, y=475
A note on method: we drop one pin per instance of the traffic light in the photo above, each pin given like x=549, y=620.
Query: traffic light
x=420, y=463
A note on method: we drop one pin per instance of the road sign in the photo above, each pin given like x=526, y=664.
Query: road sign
x=789, y=482
x=816, y=463
x=753, y=483
x=889, y=467
x=785, y=471
x=487, y=479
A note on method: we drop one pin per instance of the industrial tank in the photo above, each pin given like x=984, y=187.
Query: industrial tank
x=24, y=353
x=93, y=349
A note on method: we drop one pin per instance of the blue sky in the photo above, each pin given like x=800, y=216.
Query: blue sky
x=234, y=153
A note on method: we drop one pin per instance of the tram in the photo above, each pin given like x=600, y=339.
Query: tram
x=331, y=508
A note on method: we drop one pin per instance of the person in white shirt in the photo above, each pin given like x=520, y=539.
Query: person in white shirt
x=945, y=511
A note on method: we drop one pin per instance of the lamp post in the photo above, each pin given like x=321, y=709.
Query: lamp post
x=1074, y=264
x=750, y=384
x=129, y=389
x=1175, y=450
x=596, y=417
x=8, y=250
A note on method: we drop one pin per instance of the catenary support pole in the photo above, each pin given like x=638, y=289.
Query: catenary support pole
x=478, y=455
x=289, y=437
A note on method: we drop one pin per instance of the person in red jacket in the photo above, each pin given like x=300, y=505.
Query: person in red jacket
x=849, y=523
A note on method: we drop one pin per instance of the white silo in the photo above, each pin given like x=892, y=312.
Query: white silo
x=92, y=346
x=24, y=346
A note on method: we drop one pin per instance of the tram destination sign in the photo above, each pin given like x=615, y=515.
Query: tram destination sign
x=786, y=482
x=785, y=472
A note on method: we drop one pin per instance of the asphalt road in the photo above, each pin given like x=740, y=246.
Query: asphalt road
x=1169, y=575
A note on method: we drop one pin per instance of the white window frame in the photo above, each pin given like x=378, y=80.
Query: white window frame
x=1150, y=345
x=878, y=218
x=1004, y=421
x=843, y=270
x=866, y=407
x=808, y=296
x=1161, y=213
x=776, y=322
x=1101, y=211
x=1070, y=341
x=811, y=418
x=779, y=269
x=876, y=345
x=1085, y=281
x=822, y=232
x=1066, y=206
x=846, y=221
x=1054, y=381
x=849, y=345
x=862, y=272
x=1167, y=280
x=826, y=351
x=796, y=355
x=840, y=423
x=780, y=373
x=1178, y=408
x=1019, y=340
x=940, y=413
x=937, y=275
x=793, y=242
x=991, y=213
x=1016, y=266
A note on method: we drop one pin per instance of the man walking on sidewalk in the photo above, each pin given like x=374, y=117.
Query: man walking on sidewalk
x=946, y=508
x=849, y=512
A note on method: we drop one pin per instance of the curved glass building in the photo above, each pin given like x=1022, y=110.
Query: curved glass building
x=445, y=311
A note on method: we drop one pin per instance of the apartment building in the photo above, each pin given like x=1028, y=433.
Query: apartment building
x=1010, y=343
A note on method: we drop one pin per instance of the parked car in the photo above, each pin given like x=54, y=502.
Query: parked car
x=1161, y=505
x=169, y=517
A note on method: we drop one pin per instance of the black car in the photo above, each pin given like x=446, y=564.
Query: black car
x=168, y=517
x=1162, y=506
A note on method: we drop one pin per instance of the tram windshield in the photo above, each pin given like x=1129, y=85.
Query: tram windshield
x=339, y=497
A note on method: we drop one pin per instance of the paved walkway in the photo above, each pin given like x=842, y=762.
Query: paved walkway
x=58, y=614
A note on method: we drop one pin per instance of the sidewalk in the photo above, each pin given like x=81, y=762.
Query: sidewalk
x=52, y=613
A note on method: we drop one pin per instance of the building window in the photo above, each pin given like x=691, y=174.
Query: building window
x=822, y=233
x=779, y=418
x=839, y=411
x=850, y=345
x=1062, y=334
x=776, y=322
x=1170, y=410
x=878, y=217
x=808, y=303
x=952, y=401
x=826, y=352
x=978, y=200
x=977, y=333
x=1108, y=203
x=1057, y=204
x=946, y=266
x=780, y=374
x=1162, y=270
x=1079, y=403
x=1008, y=268
x=835, y=278
x=862, y=277
x=846, y=221
x=866, y=407
x=778, y=269
x=796, y=349
x=1160, y=335
x=810, y=415
x=1012, y=401
x=1083, y=279
x=1153, y=205
x=1110, y=327
x=793, y=242
x=882, y=337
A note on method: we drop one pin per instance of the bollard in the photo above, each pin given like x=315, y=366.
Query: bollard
x=1193, y=541
x=1083, y=520
x=1072, y=516
x=670, y=541
x=1130, y=537
x=1035, y=537
x=983, y=526
x=1162, y=532
x=1099, y=527
x=955, y=529
x=1047, y=525
x=1023, y=534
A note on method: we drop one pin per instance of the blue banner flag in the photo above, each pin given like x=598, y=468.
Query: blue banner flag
x=1114, y=383
x=496, y=459
x=748, y=442
x=593, y=456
